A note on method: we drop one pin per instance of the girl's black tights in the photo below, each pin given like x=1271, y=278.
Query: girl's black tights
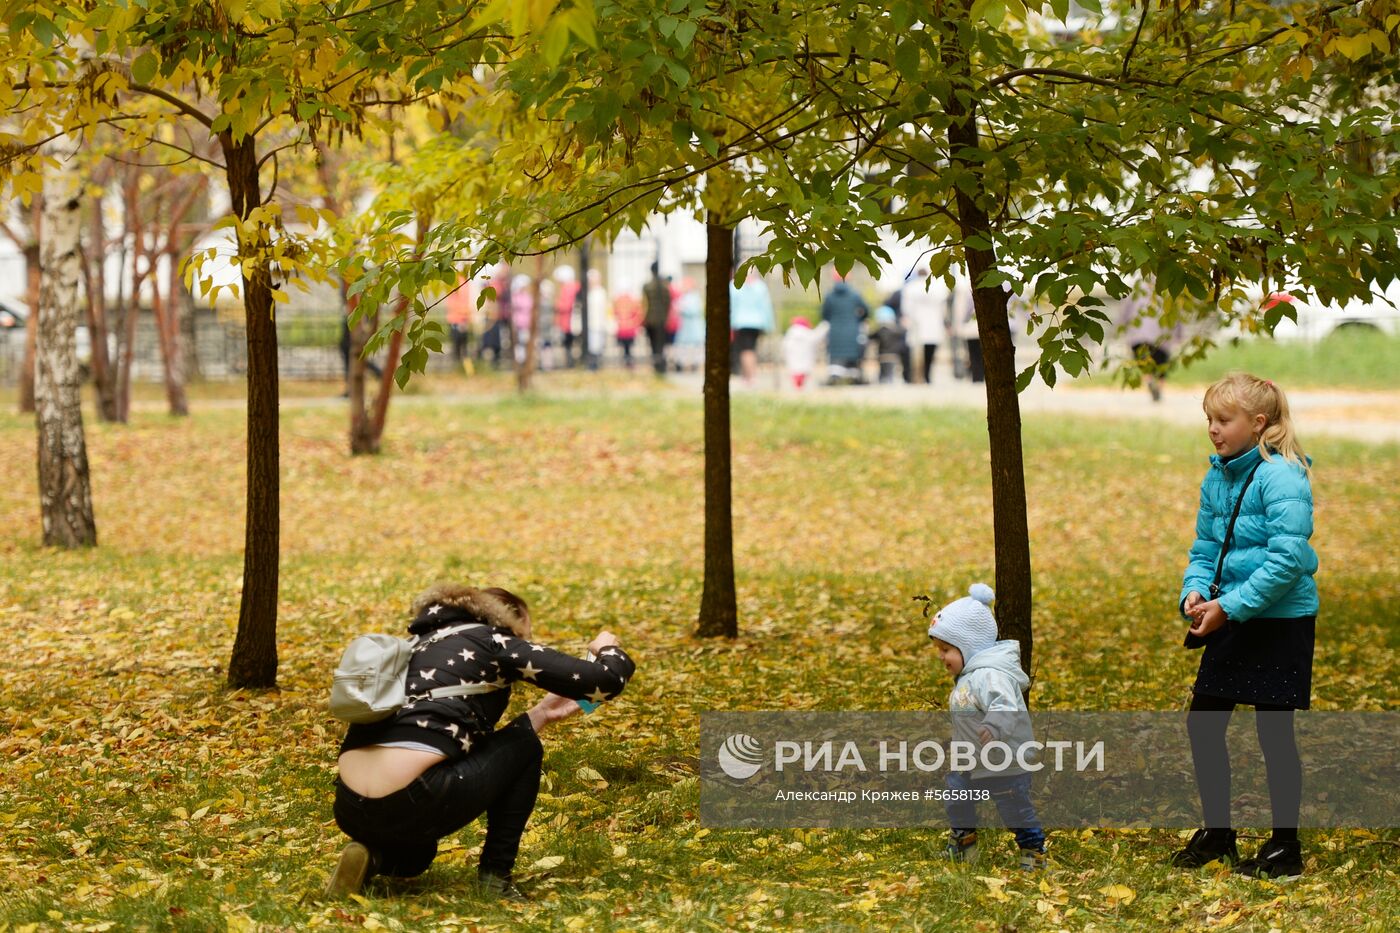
x=1206, y=724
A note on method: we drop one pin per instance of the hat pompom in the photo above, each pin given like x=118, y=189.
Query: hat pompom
x=982, y=593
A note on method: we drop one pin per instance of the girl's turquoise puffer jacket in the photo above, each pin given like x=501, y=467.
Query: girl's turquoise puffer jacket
x=1270, y=565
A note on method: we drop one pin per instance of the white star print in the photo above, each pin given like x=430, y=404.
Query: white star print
x=451, y=662
x=466, y=743
x=537, y=647
x=500, y=638
x=422, y=723
x=576, y=677
x=430, y=674
x=530, y=670
x=597, y=696
x=467, y=655
x=434, y=611
x=452, y=728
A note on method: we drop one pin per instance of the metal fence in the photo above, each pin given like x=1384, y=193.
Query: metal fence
x=309, y=348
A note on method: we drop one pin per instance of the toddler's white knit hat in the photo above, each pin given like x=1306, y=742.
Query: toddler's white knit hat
x=967, y=624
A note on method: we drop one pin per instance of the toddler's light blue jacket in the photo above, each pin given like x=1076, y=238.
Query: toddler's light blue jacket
x=1270, y=565
x=988, y=693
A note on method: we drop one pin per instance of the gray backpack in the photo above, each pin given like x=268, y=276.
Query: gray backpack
x=369, y=681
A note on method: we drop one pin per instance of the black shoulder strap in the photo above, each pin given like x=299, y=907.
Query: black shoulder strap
x=1230, y=532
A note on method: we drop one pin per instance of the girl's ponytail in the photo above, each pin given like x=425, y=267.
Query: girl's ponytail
x=1255, y=396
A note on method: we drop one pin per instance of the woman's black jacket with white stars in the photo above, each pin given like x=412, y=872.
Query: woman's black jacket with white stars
x=482, y=654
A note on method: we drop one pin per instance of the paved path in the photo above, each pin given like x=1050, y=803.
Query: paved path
x=1367, y=416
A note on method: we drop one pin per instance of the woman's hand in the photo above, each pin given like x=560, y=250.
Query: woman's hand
x=551, y=709
x=1193, y=599
x=1209, y=617
x=603, y=639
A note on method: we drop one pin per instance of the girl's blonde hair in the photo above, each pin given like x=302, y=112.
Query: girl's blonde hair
x=1255, y=396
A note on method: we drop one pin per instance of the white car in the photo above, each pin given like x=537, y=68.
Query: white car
x=14, y=314
x=1381, y=312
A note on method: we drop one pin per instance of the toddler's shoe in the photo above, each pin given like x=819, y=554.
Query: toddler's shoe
x=1033, y=860
x=354, y=866
x=1206, y=846
x=963, y=848
x=1277, y=859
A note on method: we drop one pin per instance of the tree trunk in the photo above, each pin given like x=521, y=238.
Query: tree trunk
x=719, y=612
x=33, y=289
x=167, y=308
x=1010, y=532
x=525, y=369
x=127, y=353
x=387, y=384
x=65, y=493
x=254, y=659
x=95, y=276
x=362, y=438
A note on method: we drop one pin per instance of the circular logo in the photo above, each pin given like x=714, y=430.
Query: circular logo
x=740, y=756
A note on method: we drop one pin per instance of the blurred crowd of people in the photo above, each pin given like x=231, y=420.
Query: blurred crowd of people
x=668, y=313
x=902, y=340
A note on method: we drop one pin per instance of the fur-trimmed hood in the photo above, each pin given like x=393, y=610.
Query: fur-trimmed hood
x=454, y=603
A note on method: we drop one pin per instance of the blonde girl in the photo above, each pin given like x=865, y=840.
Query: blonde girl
x=1250, y=598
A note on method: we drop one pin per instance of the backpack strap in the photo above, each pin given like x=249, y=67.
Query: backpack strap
x=458, y=690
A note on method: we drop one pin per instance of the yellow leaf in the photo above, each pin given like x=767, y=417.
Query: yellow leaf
x=588, y=774
x=1353, y=47
x=1119, y=894
x=994, y=887
x=548, y=862
x=180, y=812
x=1228, y=919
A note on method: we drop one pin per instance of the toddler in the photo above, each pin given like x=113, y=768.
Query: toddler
x=986, y=705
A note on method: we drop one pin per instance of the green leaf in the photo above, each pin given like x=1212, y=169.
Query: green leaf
x=680, y=134
x=555, y=41
x=906, y=59
x=144, y=68
x=685, y=33
x=992, y=11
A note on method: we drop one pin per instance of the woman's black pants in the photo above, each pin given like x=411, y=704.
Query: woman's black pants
x=499, y=777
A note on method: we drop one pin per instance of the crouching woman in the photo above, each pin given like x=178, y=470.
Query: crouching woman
x=439, y=763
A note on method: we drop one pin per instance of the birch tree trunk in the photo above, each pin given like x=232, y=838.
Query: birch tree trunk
x=65, y=493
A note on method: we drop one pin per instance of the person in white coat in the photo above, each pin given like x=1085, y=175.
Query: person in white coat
x=964, y=329
x=801, y=345
x=924, y=303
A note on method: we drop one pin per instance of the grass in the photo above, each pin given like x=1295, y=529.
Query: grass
x=140, y=794
x=1349, y=358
